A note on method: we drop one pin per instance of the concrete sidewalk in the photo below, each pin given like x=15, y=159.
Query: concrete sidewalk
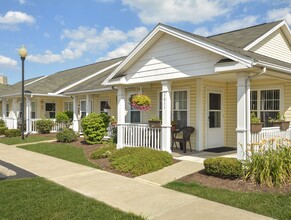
x=129, y=195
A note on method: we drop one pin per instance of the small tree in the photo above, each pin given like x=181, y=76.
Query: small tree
x=63, y=118
x=44, y=126
x=94, y=127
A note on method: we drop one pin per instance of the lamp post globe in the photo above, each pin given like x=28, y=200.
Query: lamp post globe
x=22, y=53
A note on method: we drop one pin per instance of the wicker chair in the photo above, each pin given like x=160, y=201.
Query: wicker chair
x=186, y=131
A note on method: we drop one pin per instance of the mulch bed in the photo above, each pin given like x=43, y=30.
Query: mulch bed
x=199, y=177
x=233, y=185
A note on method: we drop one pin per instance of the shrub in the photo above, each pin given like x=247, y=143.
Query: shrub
x=66, y=136
x=223, y=167
x=2, y=123
x=63, y=118
x=70, y=115
x=139, y=161
x=12, y=133
x=103, y=152
x=94, y=128
x=44, y=126
x=2, y=130
x=270, y=164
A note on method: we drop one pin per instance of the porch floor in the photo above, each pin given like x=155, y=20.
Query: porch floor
x=200, y=156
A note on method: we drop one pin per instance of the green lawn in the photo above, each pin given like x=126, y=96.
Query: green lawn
x=18, y=140
x=62, y=151
x=37, y=198
x=268, y=204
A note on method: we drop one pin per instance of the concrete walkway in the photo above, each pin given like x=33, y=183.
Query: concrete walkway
x=129, y=195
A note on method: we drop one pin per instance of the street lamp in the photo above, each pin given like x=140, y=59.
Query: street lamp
x=22, y=52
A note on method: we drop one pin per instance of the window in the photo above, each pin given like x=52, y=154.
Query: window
x=265, y=104
x=104, y=105
x=135, y=114
x=179, y=108
x=33, y=110
x=20, y=110
x=83, y=109
x=7, y=109
x=68, y=106
x=50, y=110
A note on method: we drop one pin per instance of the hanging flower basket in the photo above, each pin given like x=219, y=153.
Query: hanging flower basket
x=140, y=102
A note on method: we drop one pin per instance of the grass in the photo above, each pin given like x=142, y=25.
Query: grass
x=62, y=151
x=37, y=198
x=18, y=140
x=269, y=204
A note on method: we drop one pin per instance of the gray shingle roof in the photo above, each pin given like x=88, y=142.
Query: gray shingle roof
x=62, y=79
x=243, y=37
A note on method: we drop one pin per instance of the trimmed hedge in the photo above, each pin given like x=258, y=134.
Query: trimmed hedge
x=66, y=136
x=2, y=130
x=223, y=167
x=2, y=123
x=44, y=126
x=139, y=161
x=12, y=133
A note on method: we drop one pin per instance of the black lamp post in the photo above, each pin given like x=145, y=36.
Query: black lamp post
x=22, y=52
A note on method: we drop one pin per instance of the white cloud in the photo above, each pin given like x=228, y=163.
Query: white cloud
x=194, y=11
x=228, y=26
x=47, y=58
x=22, y=2
x=7, y=62
x=60, y=19
x=16, y=17
x=280, y=13
x=86, y=39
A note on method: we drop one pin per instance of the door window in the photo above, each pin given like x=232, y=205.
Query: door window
x=214, y=110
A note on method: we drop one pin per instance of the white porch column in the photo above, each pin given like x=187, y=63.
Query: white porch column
x=3, y=108
x=199, y=115
x=28, y=114
x=75, y=115
x=120, y=115
x=13, y=113
x=88, y=104
x=243, y=115
x=166, y=113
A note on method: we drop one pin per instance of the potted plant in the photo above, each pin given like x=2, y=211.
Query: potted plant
x=140, y=102
x=155, y=122
x=280, y=121
x=256, y=125
x=113, y=121
x=174, y=125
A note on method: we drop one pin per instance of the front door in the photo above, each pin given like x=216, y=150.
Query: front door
x=215, y=130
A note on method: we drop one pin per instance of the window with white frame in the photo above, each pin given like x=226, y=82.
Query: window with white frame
x=134, y=114
x=32, y=110
x=7, y=109
x=83, y=108
x=50, y=110
x=179, y=107
x=68, y=106
x=265, y=104
x=104, y=106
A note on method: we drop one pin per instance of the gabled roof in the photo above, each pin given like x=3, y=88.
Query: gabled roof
x=228, y=48
x=59, y=82
x=243, y=37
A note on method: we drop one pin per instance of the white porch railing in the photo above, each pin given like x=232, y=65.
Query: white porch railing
x=56, y=126
x=140, y=135
x=270, y=132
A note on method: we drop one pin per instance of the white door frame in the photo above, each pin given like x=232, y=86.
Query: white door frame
x=217, y=91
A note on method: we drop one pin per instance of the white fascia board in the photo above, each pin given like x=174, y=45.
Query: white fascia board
x=213, y=48
x=132, y=54
x=88, y=91
x=265, y=35
x=228, y=66
x=35, y=81
x=274, y=67
x=87, y=78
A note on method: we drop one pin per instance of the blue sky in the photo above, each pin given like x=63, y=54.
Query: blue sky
x=63, y=34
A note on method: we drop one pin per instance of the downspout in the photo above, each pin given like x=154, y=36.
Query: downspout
x=264, y=70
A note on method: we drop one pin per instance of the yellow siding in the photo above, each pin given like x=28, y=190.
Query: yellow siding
x=230, y=115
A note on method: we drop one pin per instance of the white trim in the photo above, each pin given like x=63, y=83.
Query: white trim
x=265, y=35
x=88, y=91
x=274, y=66
x=160, y=28
x=35, y=81
x=87, y=78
